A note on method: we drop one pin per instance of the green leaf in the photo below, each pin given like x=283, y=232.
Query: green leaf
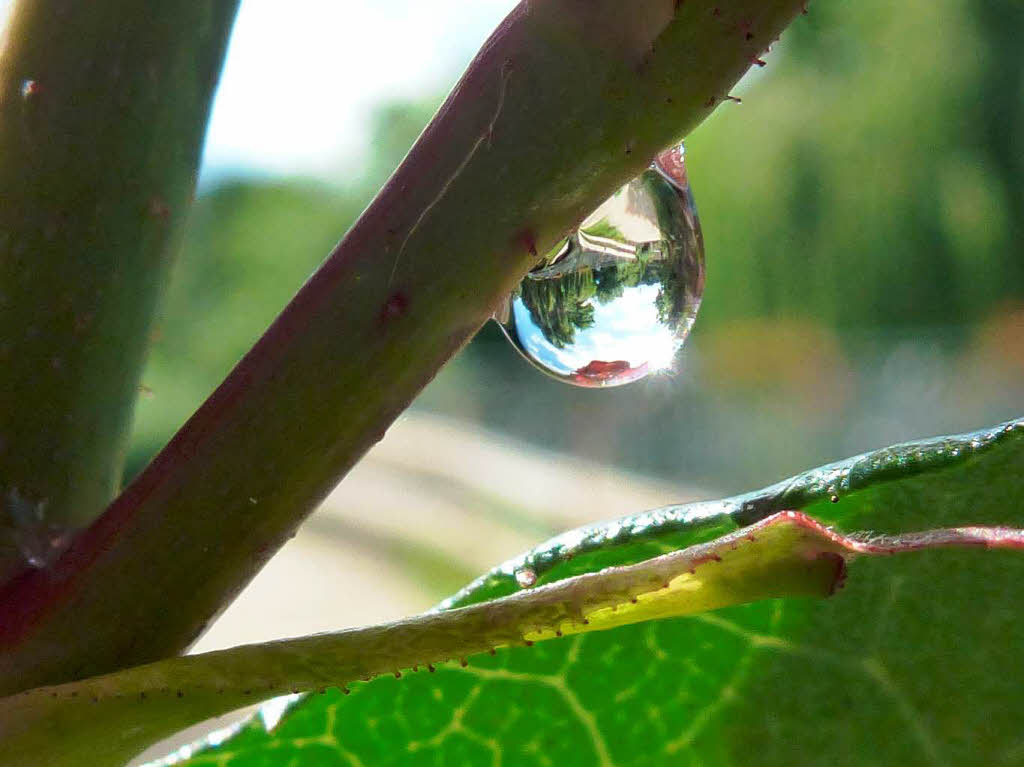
x=662, y=674
x=916, y=661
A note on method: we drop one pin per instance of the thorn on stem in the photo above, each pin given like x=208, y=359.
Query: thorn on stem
x=396, y=305
x=527, y=238
x=158, y=208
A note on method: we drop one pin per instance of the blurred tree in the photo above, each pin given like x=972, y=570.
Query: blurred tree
x=873, y=179
x=996, y=120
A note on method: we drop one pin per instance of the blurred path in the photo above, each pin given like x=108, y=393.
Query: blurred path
x=432, y=506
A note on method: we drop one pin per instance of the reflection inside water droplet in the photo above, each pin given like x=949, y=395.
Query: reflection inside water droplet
x=40, y=542
x=526, y=577
x=615, y=300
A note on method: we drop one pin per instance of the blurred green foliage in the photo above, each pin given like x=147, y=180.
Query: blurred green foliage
x=871, y=182
x=873, y=175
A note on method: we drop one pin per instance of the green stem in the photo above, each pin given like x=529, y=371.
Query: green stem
x=106, y=720
x=566, y=101
x=103, y=106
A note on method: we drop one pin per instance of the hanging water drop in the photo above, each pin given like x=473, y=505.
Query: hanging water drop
x=526, y=577
x=40, y=542
x=615, y=300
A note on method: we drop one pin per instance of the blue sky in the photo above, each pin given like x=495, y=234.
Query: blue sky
x=626, y=328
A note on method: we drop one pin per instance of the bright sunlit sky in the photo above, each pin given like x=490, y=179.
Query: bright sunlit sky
x=302, y=76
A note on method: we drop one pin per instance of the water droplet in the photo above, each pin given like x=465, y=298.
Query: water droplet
x=40, y=542
x=526, y=577
x=615, y=300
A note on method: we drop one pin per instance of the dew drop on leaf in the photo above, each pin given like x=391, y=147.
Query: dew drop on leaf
x=526, y=577
x=40, y=542
x=615, y=300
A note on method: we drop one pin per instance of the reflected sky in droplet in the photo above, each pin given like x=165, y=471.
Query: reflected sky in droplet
x=626, y=329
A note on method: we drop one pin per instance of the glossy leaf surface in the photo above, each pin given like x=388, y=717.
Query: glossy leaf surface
x=923, y=648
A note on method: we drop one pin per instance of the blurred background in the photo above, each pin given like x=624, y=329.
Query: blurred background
x=863, y=213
